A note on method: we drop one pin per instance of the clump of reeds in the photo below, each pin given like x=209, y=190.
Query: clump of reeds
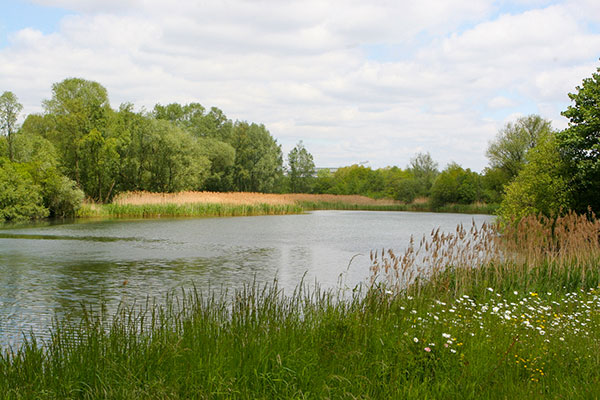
x=535, y=251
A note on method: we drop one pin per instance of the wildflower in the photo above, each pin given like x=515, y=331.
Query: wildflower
x=490, y=289
x=416, y=340
x=452, y=351
x=428, y=349
x=446, y=335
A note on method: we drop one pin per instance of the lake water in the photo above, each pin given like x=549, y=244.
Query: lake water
x=48, y=270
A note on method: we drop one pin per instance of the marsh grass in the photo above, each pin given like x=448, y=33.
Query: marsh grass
x=535, y=252
x=515, y=314
x=216, y=204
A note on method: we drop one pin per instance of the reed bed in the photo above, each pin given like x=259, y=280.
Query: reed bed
x=214, y=204
x=535, y=251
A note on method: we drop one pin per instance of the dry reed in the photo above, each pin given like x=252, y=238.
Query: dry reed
x=246, y=198
x=535, y=248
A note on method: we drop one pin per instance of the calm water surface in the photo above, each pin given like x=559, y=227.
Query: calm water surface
x=49, y=270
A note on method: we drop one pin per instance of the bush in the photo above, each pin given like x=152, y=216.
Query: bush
x=20, y=198
x=61, y=195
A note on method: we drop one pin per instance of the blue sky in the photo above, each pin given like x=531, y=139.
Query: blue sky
x=18, y=14
x=355, y=80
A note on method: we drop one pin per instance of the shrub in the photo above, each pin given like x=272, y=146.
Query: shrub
x=20, y=198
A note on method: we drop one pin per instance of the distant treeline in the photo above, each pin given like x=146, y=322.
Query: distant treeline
x=81, y=147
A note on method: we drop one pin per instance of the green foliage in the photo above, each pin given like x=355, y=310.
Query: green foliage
x=323, y=181
x=176, y=161
x=493, y=181
x=357, y=179
x=77, y=107
x=258, y=158
x=580, y=143
x=38, y=157
x=301, y=169
x=400, y=185
x=424, y=171
x=508, y=151
x=221, y=156
x=541, y=186
x=456, y=185
x=259, y=343
x=20, y=197
x=194, y=119
x=9, y=111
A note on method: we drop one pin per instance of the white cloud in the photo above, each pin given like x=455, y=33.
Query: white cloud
x=300, y=67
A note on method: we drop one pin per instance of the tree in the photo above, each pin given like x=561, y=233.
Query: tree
x=424, y=171
x=357, y=179
x=77, y=107
x=301, y=169
x=456, y=185
x=579, y=144
x=507, y=152
x=258, y=160
x=541, y=186
x=20, y=197
x=9, y=112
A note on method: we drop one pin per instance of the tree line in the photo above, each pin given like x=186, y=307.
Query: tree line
x=81, y=147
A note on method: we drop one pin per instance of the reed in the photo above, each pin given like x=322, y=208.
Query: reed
x=259, y=343
x=215, y=204
x=533, y=253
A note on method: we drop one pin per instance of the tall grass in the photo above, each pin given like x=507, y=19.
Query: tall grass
x=214, y=204
x=535, y=252
x=501, y=313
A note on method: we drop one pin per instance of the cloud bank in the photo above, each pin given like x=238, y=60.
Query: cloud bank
x=355, y=80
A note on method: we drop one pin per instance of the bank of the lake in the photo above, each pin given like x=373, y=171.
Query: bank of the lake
x=214, y=204
x=523, y=326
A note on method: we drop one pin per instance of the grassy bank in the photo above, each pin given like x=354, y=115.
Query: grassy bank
x=464, y=315
x=213, y=204
x=186, y=210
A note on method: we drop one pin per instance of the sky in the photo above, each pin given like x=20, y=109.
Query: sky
x=371, y=82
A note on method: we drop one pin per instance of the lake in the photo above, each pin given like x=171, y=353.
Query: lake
x=47, y=270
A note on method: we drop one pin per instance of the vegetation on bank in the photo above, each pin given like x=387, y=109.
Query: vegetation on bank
x=217, y=204
x=80, y=146
x=515, y=315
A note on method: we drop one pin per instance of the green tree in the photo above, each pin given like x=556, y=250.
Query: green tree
x=542, y=185
x=38, y=158
x=20, y=197
x=301, y=169
x=77, y=107
x=323, y=181
x=399, y=184
x=258, y=159
x=222, y=159
x=579, y=144
x=424, y=171
x=358, y=179
x=177, y=162
x=507, y=152
x=9, y=112
x=456, y=185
